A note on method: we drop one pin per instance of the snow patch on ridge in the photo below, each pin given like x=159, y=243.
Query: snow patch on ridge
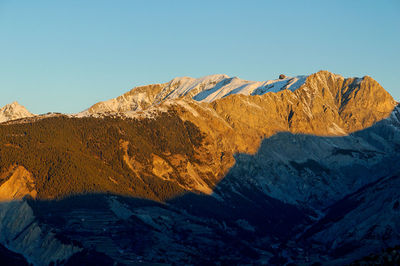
x=230, y=86
x=185, y=85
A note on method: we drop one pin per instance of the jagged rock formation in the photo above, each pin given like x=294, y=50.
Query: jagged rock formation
x=13, y=111
x=359, y=102
x=296, y=170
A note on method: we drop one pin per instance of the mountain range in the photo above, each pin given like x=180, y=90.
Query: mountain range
x=212, y=170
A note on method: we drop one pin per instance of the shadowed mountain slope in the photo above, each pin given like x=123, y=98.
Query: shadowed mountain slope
x=280, y=207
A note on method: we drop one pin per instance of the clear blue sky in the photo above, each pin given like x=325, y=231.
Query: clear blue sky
x=66, y=55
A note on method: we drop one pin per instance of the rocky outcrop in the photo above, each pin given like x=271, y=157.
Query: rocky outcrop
x=16, y=183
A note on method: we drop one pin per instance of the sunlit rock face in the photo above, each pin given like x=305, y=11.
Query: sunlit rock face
x=17, y=183
x=299, y=169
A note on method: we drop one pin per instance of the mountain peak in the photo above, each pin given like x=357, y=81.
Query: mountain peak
x=13, y=111
x=347, y=97
x=14, y=104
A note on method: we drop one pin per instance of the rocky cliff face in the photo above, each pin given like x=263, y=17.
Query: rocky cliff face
x=284, y=167
x=359, y=102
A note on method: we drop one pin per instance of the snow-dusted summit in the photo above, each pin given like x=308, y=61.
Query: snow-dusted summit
x=205, y=89
x=213, y=87
x=13, y=111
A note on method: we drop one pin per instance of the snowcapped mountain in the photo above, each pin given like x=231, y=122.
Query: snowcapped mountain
x=205, y=89
x=13, y=111
x=322, y=103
